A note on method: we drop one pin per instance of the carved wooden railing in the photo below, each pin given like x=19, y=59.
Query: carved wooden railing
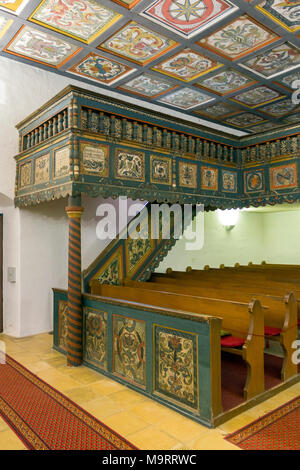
x=51, y=127
x=129, y=130
x=285, y=147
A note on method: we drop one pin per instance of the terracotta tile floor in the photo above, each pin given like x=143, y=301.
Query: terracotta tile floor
x=142, y=421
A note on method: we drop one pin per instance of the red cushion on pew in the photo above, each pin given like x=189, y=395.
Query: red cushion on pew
x=269, y=331
x=232, y=341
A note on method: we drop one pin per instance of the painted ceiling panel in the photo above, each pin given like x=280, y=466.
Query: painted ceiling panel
x=81, y=20
x=238, y=38
x=41, y=46
x=234, y=63
x=188, y=17
x=187, y=65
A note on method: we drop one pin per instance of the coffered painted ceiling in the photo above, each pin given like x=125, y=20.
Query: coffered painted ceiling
x=233, y=63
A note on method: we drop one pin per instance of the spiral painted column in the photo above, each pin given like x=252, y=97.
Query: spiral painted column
x=75, y=317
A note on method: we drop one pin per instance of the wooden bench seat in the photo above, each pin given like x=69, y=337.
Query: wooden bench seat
x=242, y=320
x=280, y=317
x=252, y=284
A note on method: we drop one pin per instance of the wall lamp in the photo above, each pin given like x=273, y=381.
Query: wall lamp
x=228, y=218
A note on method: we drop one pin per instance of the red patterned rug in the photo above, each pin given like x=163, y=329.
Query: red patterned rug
x=277, y=430
x=45, y=419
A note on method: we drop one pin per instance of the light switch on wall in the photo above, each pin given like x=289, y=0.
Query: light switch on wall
x=11, y=274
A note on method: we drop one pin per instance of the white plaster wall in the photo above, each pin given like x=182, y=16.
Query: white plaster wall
x=11, y=258
x=242, y=244
x=44, y=259
x=282, y=237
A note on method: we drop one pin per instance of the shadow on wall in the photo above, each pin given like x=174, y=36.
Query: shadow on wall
x=5, y=201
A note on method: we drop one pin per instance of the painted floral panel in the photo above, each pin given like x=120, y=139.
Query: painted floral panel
x=129, y=353
x=185, y=98
x=81, y=19
x=274, y=61
x=61, y=162
x=244, y=120
x=147, y=85
x=160, y=169
x=283, y=176
x=257, y=96
x=95, y=350
x=216, y=110
x=293, y=118
x=188, y=175
x=137, y=250
x=42, y=169
x=284, y=12
x=280, y=108
x=229, y=181
x=266, y=126
x=209, y=178
x=130, y=165
x=40, y=46
x=138, y=43
x=63, y=324
x=100, y=68
x=188, y=17
x=289, y=80
x=238, y=38
x=176, y=366
x=112, y=270
x=224, y=82
x=25, y=175
x=94, y=159
x=187, y=65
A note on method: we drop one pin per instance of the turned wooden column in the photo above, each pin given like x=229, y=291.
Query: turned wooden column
x=75, y=317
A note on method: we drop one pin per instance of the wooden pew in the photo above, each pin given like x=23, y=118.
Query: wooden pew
x=280, y=317
x=271, y=275
x=266, y=266
x=253, y=284
x=244, y=321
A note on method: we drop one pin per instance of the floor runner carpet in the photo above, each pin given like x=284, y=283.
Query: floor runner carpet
x=45, y=419
x=277, y=430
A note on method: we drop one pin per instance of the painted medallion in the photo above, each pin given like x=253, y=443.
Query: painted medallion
x=188, y=17
x=254, y=181
x=101, y=69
